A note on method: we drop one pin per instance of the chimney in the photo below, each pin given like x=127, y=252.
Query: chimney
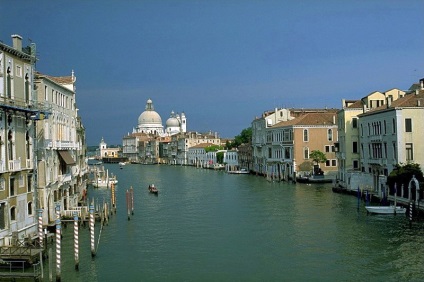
x=17, y=42
x=389, y=102
x=422, y=83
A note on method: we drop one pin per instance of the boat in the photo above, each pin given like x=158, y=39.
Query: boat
x=218, y=166
x=153, y=189
x=392, y=209
x=104, y=182
x=314, y=179
x=386, y=209
x=121, y=163
x=241, y=171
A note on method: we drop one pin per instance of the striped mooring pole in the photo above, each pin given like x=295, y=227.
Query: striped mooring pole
x=58, y=239
x=76, y=244
x=132, y=200
x=410, y=213
x=93, y=250
x=40, y=228
x=113, y=199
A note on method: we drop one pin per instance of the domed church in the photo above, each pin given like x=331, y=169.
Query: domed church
x=150, y=122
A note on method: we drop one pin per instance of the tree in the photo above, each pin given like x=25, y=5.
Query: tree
x=220, y=157
x=318, y=157
x=244, y=137
x=402, y=174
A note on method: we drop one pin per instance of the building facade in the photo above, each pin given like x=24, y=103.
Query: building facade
x=19, y=112
x=62, y=167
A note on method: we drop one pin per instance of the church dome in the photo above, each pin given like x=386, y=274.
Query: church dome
x=172, y=121
x=149, y=116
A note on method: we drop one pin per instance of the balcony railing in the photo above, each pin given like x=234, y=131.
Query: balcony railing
x=15, y=165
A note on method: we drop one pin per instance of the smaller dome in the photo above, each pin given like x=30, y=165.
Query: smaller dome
x=172, y=121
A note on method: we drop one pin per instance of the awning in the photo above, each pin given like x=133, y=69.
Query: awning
x=66, y=157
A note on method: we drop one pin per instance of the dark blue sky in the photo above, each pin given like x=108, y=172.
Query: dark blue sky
x=220, y=62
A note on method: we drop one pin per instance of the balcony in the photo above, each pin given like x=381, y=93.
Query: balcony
x=15, y=165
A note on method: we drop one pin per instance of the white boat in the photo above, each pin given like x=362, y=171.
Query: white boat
x=386, y=209
x=241, y=171
x=392, y=209
x=105, y=182
x=121, y=163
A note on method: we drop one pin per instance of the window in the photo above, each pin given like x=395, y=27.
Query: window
x=354, y=122
x=394, y=125
x=29, y=208
x=305, y=135
x=269, y=153
x=355, y=147
x=13, y=213
x=408, y=125
x=29, y=183
x=327, y=148
x=330, y=135
x=409, y=152
x=287, y=153
x=2, y=221
x=355, y=164
x=12, y=187
x=306, y=153
x=331, y=162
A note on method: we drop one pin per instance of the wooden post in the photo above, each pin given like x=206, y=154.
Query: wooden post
x=40, y=228
x=128, y=203
x=93, y=250
x=58, y=260
x=76, y=245
x=132, y=200
x=113, y=199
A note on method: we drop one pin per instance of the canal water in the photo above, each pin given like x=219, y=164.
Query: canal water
x=207, y=225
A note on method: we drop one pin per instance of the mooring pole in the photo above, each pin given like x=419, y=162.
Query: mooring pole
x=76, y=243
x=93, y=250
x=132, y=200
x=58, y=239
x=410, y=213
x=127, y=194
x=113, y=198
x=40, y=228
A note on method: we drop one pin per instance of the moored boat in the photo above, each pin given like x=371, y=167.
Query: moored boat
x=241, y=171
x=386, y=209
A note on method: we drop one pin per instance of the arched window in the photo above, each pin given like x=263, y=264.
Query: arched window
x=306, y=153
x=305, y=135
x=330, y=135
x=12, y=213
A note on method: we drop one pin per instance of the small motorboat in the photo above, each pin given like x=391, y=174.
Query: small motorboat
x=153, y=189
x=386, y=209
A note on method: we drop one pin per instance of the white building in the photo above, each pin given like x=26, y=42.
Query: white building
x=150, y=122
x=62, y=166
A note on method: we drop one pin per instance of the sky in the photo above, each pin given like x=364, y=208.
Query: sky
x=221, y=62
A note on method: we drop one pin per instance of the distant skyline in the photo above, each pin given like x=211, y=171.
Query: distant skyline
x=222, y=63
